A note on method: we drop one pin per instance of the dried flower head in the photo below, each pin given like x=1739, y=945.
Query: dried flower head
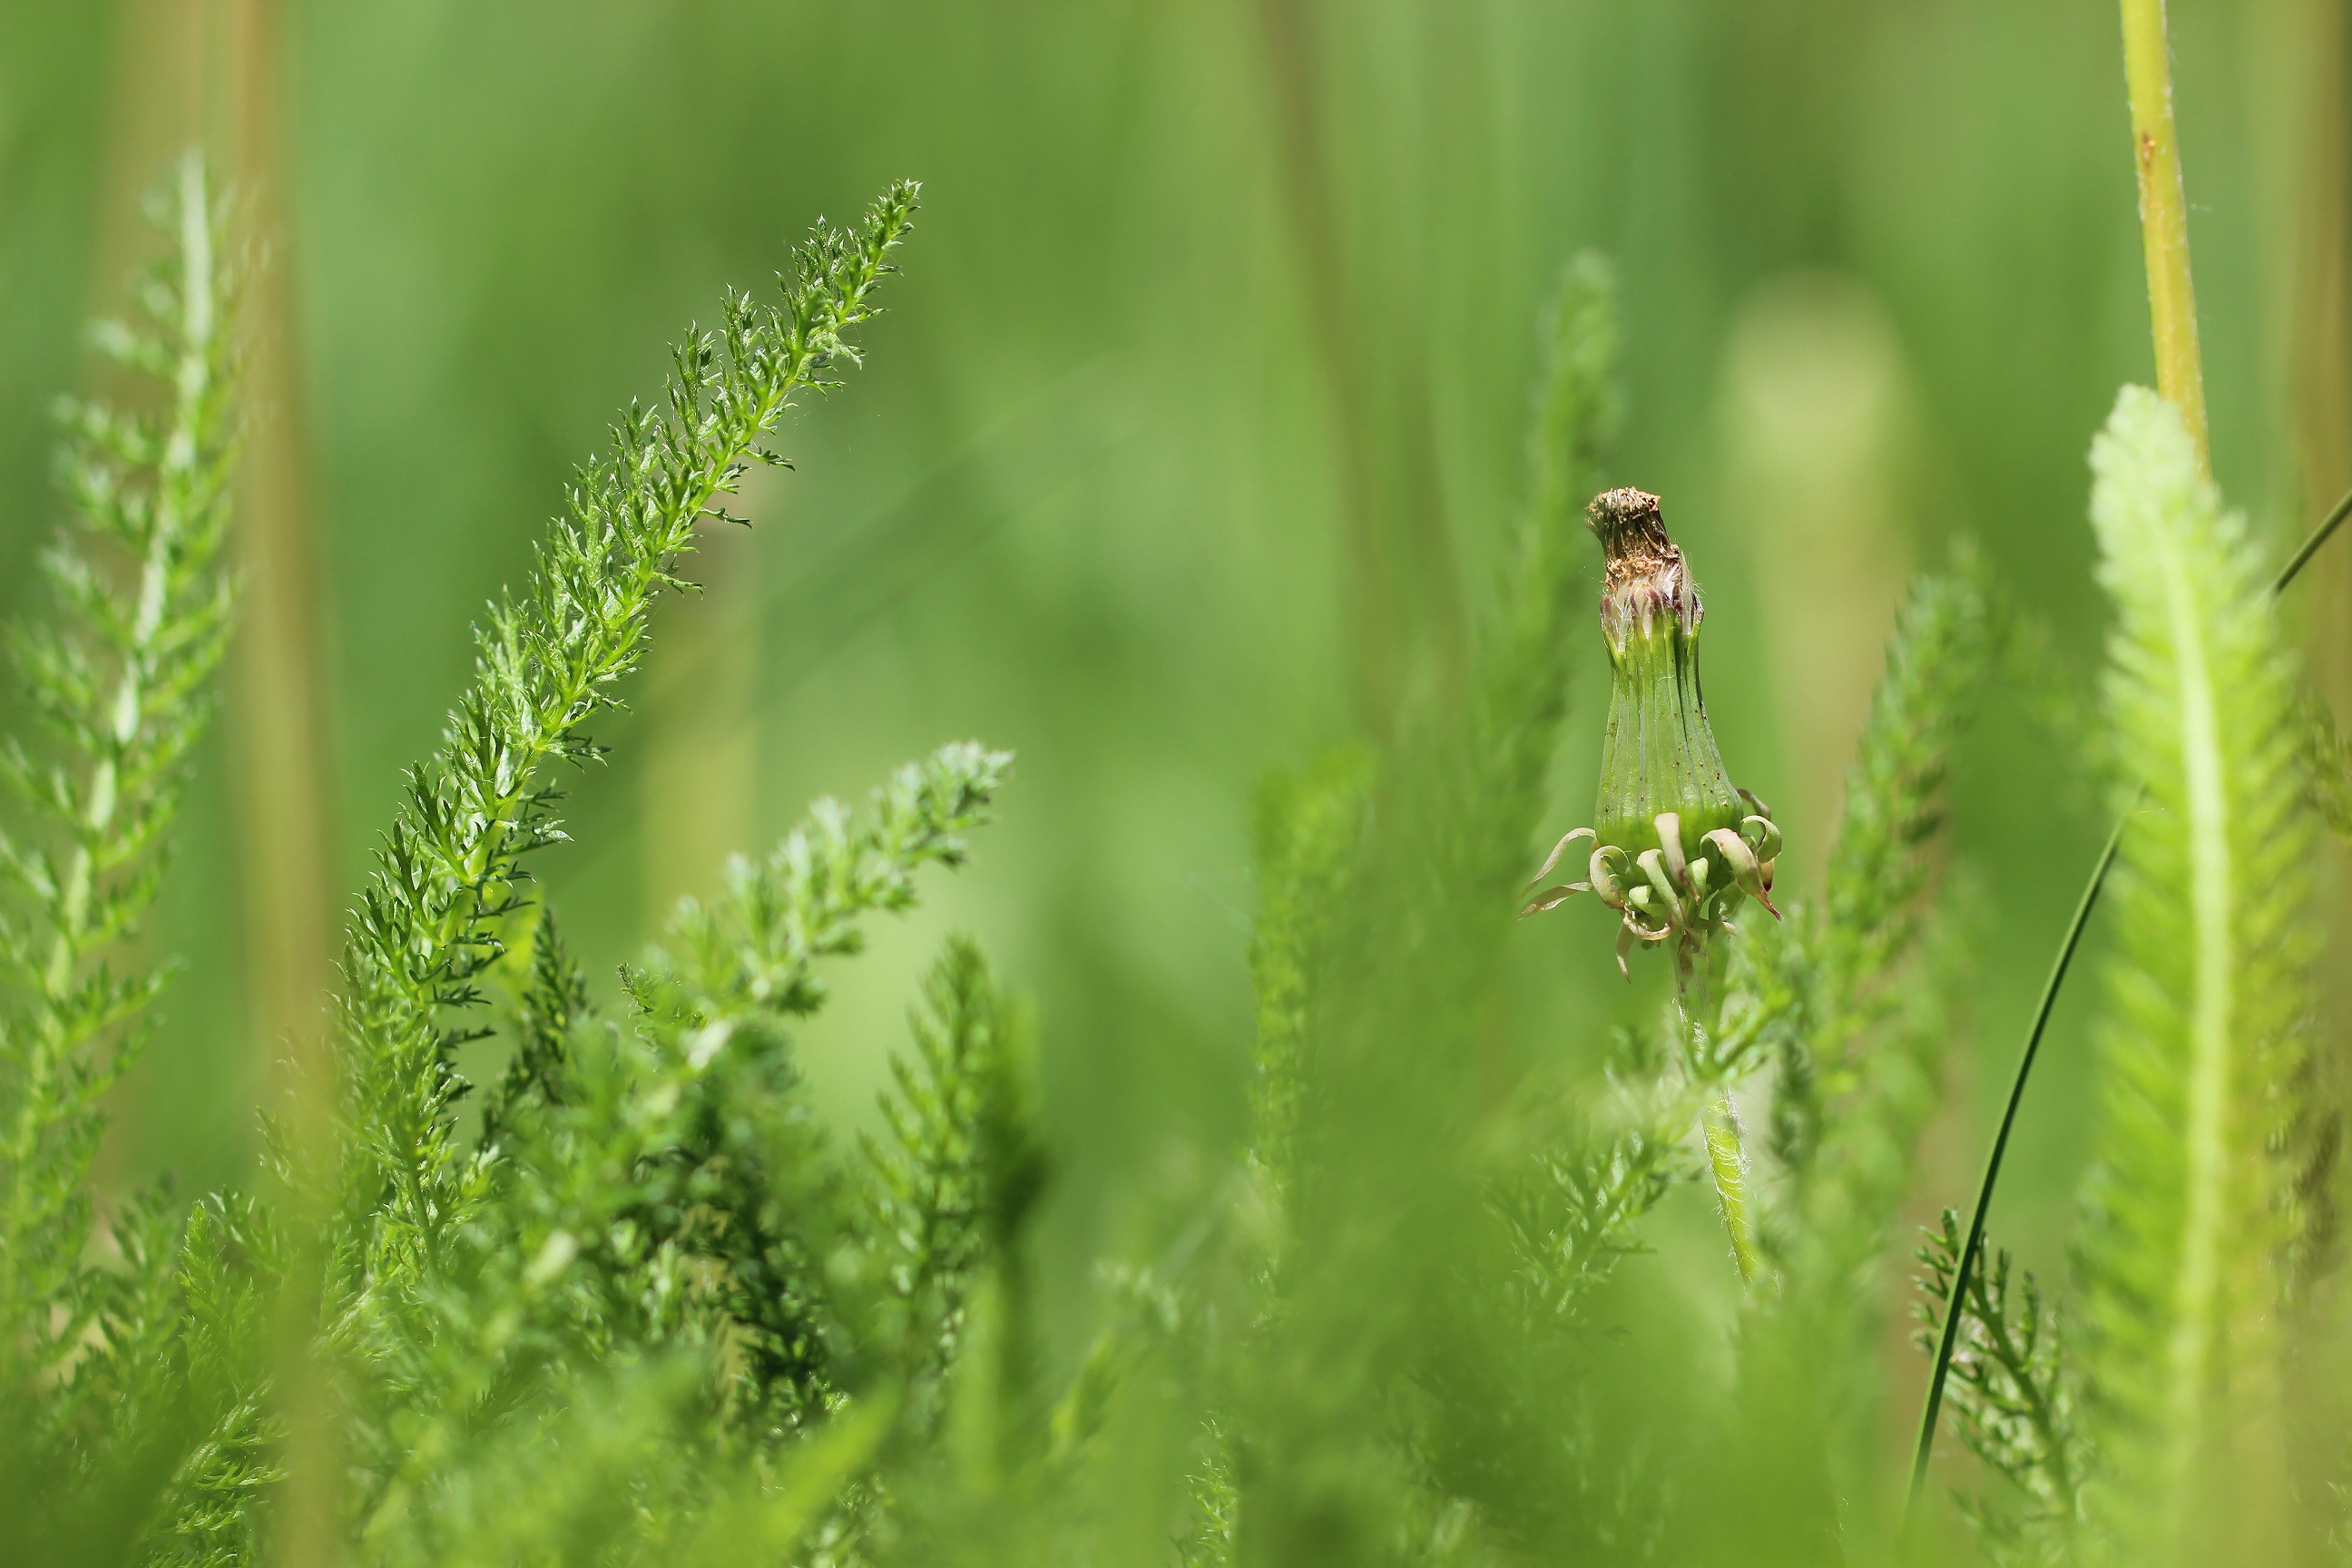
x=1676, y=844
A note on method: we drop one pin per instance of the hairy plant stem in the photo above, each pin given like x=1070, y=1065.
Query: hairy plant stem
x=1727, y=1153
x=1726, y=1160
x=2164, y=218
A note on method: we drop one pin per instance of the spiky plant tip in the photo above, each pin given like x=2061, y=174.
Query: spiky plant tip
x=434, y=917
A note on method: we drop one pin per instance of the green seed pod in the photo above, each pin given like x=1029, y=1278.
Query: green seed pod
x=1660, y=755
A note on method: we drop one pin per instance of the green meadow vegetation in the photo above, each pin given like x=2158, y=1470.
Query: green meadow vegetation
x=1631, y=1130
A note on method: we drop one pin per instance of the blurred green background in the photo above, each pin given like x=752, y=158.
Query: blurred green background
x=1189, y=439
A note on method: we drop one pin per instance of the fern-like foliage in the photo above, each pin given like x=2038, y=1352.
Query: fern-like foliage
x=429, y=924
x=1309, y=827
x=1387, y=889
x=1576, y=1210
x=2012, y=1393
x=120, y=682
x=668, y=1195
x=949, y=1186
x=2327, y=757
x=2191, y=1198
x=1846, y=992
x=1524, y=659
x=1849, y=996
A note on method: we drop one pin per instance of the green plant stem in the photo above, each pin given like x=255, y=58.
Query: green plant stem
x=2164, y=218
x=1726, y=1151
x=1948, y=1341
x=1726, y=1160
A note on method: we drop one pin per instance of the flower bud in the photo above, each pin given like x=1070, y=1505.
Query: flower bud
x=1660, y=755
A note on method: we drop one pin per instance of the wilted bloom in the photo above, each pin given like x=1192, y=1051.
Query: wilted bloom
x=1676, y=844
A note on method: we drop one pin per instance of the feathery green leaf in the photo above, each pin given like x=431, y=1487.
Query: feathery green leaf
x=2010, y=1387
x=120, y=678
x=430, y=922
x=2190, y=1196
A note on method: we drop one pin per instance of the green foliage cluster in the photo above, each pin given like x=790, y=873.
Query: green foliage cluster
x=633, y=1304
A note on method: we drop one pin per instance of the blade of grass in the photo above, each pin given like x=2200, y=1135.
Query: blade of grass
x=2310, y=546
x=1970, y=1250
x=1974, y=1246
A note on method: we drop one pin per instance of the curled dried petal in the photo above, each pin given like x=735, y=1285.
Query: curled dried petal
x=1669, y=824
x=1552, y=897
x=1650, y=934
x=1748, y=874
x=1652, y=864
x=1558, y=850
x=1605, y=885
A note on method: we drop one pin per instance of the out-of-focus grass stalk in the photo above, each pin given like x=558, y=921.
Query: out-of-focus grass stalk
x=284, y=788
x=2164, y=218
x=2311, y=203
x=284, y=778
x=701, y=750
x=1817, y=421
x=1370, y=587
x=158, y=89
x=1400, y=594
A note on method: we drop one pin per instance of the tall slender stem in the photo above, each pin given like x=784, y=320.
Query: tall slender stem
x=286, y=793
x=2164, y=218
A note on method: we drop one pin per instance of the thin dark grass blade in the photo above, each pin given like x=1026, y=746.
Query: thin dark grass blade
x=2310, y=547
x=1947, y=1339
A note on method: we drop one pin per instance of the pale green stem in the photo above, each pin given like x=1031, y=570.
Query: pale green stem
x=1727, y=1152
x=2164, y=218
x=1726, y=1160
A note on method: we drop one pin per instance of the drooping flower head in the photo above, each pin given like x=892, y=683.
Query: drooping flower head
x=1675, y=843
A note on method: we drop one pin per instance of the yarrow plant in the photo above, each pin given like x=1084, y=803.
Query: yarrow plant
x=120, y=683
x=1668, y=810
x=629, y=1301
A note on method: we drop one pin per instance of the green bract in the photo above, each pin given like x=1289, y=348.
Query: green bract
x=1676, y=844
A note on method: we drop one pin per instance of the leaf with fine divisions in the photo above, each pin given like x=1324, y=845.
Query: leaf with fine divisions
x=2190, y=1202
